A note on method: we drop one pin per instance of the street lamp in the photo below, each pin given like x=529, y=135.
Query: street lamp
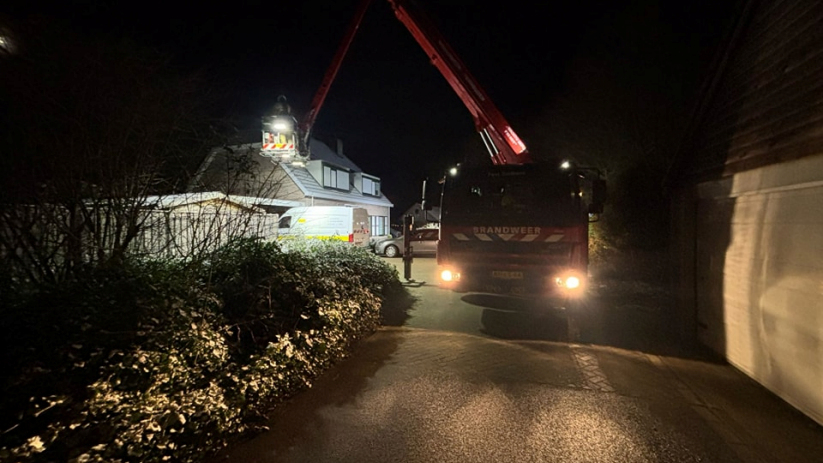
x=452, y=172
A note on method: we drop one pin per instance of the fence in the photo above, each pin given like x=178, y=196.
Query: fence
x=182, y=234
x=48, y=235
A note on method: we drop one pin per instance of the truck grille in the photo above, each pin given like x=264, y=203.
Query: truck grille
x=561, y=249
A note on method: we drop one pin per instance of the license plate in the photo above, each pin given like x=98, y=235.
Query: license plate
x=505, y=289
x=504, y=275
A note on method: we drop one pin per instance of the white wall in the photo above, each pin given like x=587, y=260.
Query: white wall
x=759, y=276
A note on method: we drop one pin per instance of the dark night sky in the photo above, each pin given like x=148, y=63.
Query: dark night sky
x=396, y=114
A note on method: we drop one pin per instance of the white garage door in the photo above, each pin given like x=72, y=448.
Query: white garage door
x=759, y=276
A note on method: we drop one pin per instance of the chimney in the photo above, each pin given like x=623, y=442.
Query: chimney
x=340, y=147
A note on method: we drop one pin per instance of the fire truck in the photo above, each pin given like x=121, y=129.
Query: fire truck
x=519, y=229
x=509, y=225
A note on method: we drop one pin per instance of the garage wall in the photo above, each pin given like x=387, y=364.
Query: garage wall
x=759, y=276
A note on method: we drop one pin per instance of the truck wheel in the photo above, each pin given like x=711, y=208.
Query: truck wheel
x=392, y=251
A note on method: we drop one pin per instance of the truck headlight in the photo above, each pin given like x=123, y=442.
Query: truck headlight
x=572, y=282
x=449, y=275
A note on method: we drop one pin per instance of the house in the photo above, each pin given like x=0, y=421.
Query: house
x=422, y=217
x=748, y=203
x=328, y=178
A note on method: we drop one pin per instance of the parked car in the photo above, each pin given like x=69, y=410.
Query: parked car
x=378, y=238
x=423, y=243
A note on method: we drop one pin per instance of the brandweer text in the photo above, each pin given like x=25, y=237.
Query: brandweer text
x=508, y=230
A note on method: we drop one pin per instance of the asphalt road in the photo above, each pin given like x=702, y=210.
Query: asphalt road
x=463, y=379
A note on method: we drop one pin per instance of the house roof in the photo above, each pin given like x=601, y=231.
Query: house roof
x=309, y=186
x=321, y=151
x=177, y=200
x=264, y=201
x=432, y=215
x=262, y=175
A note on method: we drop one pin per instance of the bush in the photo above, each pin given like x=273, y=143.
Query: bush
x=55, y=337
x=157, y=361
x=263, y=292
x=637, y=214
x=266, y=292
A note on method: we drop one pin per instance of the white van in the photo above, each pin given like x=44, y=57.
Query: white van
x=343, y=223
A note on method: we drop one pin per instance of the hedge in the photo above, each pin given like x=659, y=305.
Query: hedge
x=166, y=361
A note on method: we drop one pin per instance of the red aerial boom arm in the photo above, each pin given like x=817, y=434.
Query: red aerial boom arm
x=502, y=142
x=504, y=146
x=308, y=121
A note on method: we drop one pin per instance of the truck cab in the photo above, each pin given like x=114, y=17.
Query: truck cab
x=516, y=229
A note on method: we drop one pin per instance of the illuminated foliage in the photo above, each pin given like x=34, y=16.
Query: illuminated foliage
x=160, y=361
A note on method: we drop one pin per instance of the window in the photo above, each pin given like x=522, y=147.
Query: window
x=379, y=225
x=335, y=178
x=371, y=186
x=285, y=222
x=509, y=191
x=329, y=180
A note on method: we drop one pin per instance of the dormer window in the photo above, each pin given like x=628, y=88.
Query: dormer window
x=371, y=186
x=335, y=178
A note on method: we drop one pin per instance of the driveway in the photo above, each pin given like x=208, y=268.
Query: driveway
x=446, y=386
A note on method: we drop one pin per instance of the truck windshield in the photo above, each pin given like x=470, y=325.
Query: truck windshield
x=538, y=194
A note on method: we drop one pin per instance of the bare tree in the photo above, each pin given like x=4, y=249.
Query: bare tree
x=91, y=130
